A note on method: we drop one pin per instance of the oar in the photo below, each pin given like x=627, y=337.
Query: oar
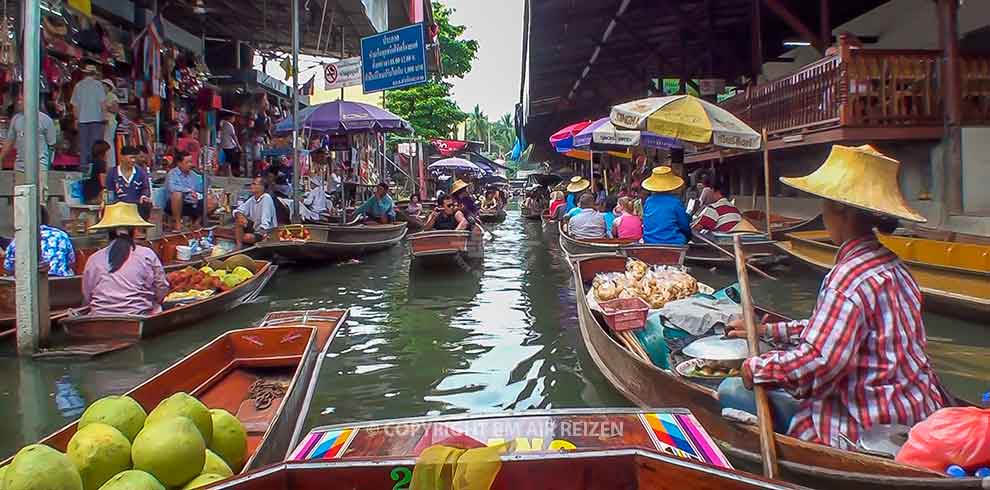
x=767, y=445
x=726, y=252
x=478, y=223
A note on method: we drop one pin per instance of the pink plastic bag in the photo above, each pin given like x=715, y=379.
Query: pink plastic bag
x=958, y=435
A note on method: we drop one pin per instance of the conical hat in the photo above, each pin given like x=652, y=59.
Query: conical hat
x=578, y=184
x=663, y=180
x=861, y=177
x=121, y=215
x=458, y=185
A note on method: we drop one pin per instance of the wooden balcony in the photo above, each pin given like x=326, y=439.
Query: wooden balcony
x=860, y=94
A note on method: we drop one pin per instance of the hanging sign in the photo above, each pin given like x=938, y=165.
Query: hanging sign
x=711, y=86
x=344, y=73
x=394, y=59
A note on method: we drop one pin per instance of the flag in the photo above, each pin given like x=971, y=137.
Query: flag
x=308, y=88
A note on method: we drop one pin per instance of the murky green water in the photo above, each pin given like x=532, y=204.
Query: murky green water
x=500, y=338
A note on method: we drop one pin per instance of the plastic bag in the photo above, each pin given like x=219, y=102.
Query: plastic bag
x=957, y=435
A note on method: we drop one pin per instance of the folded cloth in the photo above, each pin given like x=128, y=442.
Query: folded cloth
x=698, y=314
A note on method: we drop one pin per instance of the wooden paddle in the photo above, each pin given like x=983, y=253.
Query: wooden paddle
x=490, y=234
x=730, y=254
x=767, y=445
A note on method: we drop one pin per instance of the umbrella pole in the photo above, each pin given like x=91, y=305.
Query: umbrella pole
x=295, y=113
x=766, y=181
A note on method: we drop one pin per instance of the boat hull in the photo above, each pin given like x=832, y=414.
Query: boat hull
x=758, y=249
x=947, y=289
x=96, y=328
x=648, y=386
x=783, y=224
x=446, y=247
x=330, y=243
x=497, y=216
x=654, y=254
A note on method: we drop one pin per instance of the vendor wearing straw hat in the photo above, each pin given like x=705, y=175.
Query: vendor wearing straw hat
x=576, y=186
x=461, y=192
x=123, y=278
x=860, y=359
x=665, y=222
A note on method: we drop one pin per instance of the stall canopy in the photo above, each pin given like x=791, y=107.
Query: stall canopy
x=454, y=163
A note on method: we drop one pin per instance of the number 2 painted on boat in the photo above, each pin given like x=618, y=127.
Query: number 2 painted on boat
x=402, y=476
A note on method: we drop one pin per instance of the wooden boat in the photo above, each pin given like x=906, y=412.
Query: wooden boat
x=492, y=215
x=91, y=328
x=222, y=373
x=66, y=292
x=597, y=449
x=758, y=247
x=648, y=386
x=783, y=224
x=531, y=214
x=325, y=322
x=578, y=246
x=588, y=470
x=323, y=243
x=954, y=277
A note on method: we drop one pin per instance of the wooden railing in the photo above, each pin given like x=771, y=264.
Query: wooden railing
x=863, y=88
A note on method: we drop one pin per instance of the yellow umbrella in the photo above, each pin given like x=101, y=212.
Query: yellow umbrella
x=687, y=118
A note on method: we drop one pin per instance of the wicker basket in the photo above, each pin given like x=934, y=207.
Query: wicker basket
x=625, y=313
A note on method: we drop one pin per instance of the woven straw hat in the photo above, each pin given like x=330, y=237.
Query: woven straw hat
x=121, y=215
x=458, y=185
x=578, y=184
x=861, y=177
x=663, y=180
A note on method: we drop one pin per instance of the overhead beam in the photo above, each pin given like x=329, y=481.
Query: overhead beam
x=824, y=20
x=623, y=5
x=794, y=22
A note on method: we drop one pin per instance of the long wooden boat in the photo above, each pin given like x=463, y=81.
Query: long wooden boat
x=222, y=373
x=85, y=327
x=439, y=246
x=954, y=277
x=492, y=215
x=646, y=385
x=579, y=246
x=66, y=292
x=323, y=243
x=758, y=247
x=596, y=449
x=783, y=224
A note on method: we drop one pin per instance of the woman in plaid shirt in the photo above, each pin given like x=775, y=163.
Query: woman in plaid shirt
x=860, y=359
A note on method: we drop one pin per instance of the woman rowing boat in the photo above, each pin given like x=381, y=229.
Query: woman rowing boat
x=860, y=360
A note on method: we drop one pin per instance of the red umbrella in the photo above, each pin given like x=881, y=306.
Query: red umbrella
x=563, y=140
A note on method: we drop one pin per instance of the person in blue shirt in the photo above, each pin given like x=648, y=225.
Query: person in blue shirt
x=129, y=182
x=378, y=208
x=574, y=190
x=665, y=221
x=185, y=191
x=56, y=250
x=611, y=202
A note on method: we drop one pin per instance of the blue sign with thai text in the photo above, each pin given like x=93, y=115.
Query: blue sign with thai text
x=394, y=59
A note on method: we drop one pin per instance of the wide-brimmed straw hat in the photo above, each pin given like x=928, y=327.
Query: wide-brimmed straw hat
x=121, y=215
x=663, y=180
x=578, y=184
x=861, y=177
x=458, y=185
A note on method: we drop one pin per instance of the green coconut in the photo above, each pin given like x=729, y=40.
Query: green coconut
x=240, y=260
x=215, y=465
x=120, y=412
x=39, y=467
x=203, y=480
x=133, y=480
x=183, y=405
x=229, y=439
x=99, y=452
x=171, y=450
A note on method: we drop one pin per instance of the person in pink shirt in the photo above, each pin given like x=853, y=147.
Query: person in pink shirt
x=627, y=225
x=123, y=278
x=189, y=144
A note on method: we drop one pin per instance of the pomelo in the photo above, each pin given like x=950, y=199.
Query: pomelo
x=133, y=480
x=120, y=412
x=39, y=467
x=172, y=450
x=216, y=465
x=99, y=452
x=183, y=405
x=203, y=480
x=229, y=439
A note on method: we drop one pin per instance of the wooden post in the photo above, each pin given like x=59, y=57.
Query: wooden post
x=756, y=41
x=948, y=22
x=768, y=448
x=766, y=179
x=824, y=23
x=754, y=183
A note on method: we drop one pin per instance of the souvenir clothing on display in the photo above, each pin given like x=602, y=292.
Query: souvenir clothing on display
x=56, y=250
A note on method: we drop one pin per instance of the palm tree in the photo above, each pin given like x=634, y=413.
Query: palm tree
x=477, y=125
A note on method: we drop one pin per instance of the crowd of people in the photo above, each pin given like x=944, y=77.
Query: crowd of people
x=650, y=211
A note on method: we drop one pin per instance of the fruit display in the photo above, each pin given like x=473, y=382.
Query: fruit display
x=180, y=444
x=200, y=283
x=657, y=285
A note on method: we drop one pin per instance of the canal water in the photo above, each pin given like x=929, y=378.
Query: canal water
x=504, y=337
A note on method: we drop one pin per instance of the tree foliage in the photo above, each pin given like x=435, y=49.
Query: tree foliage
x=429, y=107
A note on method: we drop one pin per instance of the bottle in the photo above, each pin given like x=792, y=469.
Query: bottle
x=956, y=471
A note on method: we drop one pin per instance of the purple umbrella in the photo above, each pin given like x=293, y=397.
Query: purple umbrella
x=603, y=134
x=342, y=117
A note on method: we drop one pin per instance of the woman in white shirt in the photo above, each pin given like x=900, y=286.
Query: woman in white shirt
x=228, y=144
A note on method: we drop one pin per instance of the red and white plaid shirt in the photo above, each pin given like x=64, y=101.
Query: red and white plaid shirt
x=721, y=216
x=860, y=360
